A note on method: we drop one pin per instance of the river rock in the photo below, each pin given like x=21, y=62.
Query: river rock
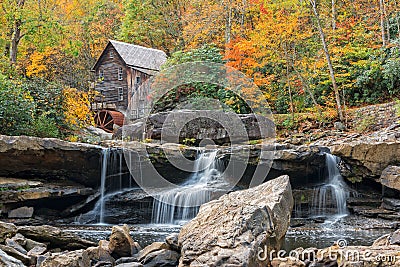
x=31, y=244
x=6, y=260
x=22, y=212
x=121, y=243
x=12, y=243
x=100, y=253
x=160, y=258
x=391, y=177
x=391, y=204
x=388, y=240
x=156, y=246
x=7, y=230
x=27, y=260
x=77, y=258
x=394, y=238
x=288, y=261
x=130, y=264
x=231, y=230
x=36, y=251
x=55, y=237
x=172, y=241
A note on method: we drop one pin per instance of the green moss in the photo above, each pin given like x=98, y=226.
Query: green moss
x=354, y=179
x=366, y=124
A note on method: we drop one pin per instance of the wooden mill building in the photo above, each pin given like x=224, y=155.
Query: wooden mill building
x=122, y=79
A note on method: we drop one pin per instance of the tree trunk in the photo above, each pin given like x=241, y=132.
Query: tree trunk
x=386, y=21
x=382, y=20
x=16, y=35
x=228, y=22
x=333, y=15
x=288, y=83
x=328, y=60
x=397, y=19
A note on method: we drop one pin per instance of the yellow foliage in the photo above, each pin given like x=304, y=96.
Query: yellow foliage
x=76, y=107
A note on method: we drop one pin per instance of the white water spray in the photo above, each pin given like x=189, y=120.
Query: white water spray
x=183, y=203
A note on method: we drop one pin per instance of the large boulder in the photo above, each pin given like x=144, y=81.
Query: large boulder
x=161, y=258
x=176, y=126
x=33, y=157
x=77, y=258
x=367, y=158
x=231, y=230
x=55, y=237
x=391, y=177
x=121, y=243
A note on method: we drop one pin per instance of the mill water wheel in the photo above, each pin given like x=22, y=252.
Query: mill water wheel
x=106, y=119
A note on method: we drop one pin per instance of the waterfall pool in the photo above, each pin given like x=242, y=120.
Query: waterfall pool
x=311, y=234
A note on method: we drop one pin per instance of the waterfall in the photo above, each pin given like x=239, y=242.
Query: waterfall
x=183, y=203
x=330, y=198
x=104, y=161
x=113, y=180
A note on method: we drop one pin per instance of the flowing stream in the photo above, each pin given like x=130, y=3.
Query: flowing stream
x=330, y=198
x=183, y=203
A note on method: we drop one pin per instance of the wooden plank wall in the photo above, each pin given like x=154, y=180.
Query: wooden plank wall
x=108, y=87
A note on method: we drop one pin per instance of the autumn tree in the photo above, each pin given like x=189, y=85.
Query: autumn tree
x=154, y=23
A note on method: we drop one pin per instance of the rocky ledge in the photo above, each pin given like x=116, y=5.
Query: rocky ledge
x=237, y=226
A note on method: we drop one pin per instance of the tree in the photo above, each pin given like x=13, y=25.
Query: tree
x=328, y=59
x=154, y=23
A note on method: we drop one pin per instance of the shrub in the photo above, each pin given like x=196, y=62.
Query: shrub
x=44, y=126
x=17, y=108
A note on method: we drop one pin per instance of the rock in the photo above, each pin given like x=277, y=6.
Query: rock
x=36, y=251
x=55, y=237
x=41, y=258
x=230, y=231
x=172, y=241
x=77, y=258
x=203, y=124
x=100, y=132
x=160, y=258
x=103, y=264
x=382, y=241
x=391, y=204
x=6, y=260
x=49, y=159
x=339, y=126
x=15, y=245
x=100, y=253
x=130, y=264
x=31, y=244
x=7, y=230
x=394, y=239
x=27, y=260
x=366, y=157
x=126, y=260
x=391, y=177
x=121, y=243
x=151, y=248
x=22, y=212
x=289, y=261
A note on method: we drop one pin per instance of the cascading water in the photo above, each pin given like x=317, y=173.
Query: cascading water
x=113, y=180
x=183, y=203
x=104, y=161
x=331, y=197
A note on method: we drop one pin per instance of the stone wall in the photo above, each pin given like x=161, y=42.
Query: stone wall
x=375, y=117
